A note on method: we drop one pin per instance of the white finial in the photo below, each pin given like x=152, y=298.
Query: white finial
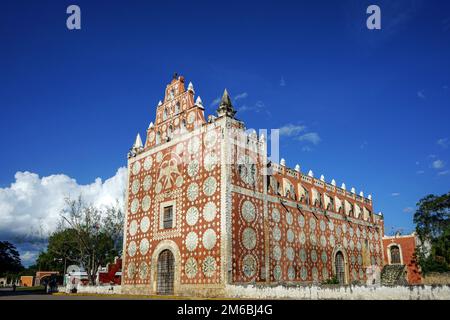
x=297, y=167
x=138, y=143
x=253, y=134
x=191, y=87
x=199, y=102
x=151, y=125
x=361, y=194
x=159, y=103
x=322, y=178
x=353, y=190
x=310, y=173
x=283, y=162
x=369, y=197
x=343, y=186
x=333, y=182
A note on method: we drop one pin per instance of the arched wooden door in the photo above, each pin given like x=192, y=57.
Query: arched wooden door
x=166, y=270
x=339, y=264
x=395, y=255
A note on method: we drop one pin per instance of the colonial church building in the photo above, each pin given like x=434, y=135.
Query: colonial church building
x=206, y=210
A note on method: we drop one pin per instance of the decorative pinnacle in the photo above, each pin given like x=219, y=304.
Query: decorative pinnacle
x=191, y=87
x=225, y=106
x=138, y=143
x=199, y=102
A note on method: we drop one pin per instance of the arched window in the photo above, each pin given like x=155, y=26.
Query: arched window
x=158, y=137
x=339, y=264
x=165, y=114
x=395, y=254
x=177, y=108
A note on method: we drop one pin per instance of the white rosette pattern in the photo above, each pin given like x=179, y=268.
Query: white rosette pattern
x=192, y=192
x=146, y=202
x=209, y=239
x=133, y=228
x=191, y=241
x=147, y=183
x=249, y=238
x=248, y=211
x=134, y=206
x=191, y=267
x=209, y=266
x=249, y=266
x=135, y=186
x=192, y=216
x=209, y=186
x=132, y=248
x=145, y=224
x=144, y=246
x=209, y=211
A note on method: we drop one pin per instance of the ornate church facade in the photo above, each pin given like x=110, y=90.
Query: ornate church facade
x=206, y=210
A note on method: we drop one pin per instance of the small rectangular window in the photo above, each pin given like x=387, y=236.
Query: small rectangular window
x=168, y=217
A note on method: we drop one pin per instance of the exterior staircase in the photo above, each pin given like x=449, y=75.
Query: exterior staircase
x=393, y=275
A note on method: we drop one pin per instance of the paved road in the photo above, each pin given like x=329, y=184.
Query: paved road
x=8, y=294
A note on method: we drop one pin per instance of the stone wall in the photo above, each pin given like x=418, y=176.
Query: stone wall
x=93, y=289
x=341, y=293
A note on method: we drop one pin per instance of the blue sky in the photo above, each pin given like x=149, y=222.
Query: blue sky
x=368, y=108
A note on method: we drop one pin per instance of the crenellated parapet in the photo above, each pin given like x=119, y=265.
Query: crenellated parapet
x=305, y=188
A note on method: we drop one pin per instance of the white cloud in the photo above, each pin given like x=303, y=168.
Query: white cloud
x=258, y=107
x=438, y=164
x=215, y=102
x=28, y=257
x=408, y=210
x=421, y=94
x=33, y=202
x=312, y=137
x=291, y=129
x=395, y=194
x=306, y=149
x=443, y=142
x=444, y=173
x=240, y=96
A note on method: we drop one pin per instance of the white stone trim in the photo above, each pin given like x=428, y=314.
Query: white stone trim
x=389, y=252
x=163, y=205
x=165, y=245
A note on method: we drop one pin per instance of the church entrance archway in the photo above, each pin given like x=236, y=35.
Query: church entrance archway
x=166, y=273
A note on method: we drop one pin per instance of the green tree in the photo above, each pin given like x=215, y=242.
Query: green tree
x=62, y=249
x=97, y=234
x=433, y=228
x=9, y=259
